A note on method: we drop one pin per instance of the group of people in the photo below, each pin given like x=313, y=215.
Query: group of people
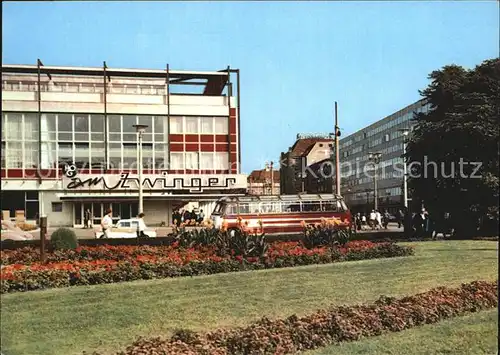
x=417, y=225
x=375, y=220
x=185, y=216
x=107, y=224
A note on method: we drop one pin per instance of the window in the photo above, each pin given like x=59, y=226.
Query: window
x=311, y=206
x=31, y=126
x=129, y=156
x=270, y=207
x=57, y=207
x=158, y=124
x=206, y=161
x=176, y=125
x=128, y=129
x=115, y=155
x=176, y=161
x=82, y=153
x=160, y=155
x=207, y=125
x=221, y=125
x=387, y=137
x=30, y=155
x=65, y=153
x=65, y=127
x=191, y=125
x=221, y=161
x=192, y=161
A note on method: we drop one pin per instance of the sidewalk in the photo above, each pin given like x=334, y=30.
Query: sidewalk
x=86, y=233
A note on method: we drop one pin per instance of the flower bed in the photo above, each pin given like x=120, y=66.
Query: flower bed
x=106, y=264
x=329, y=326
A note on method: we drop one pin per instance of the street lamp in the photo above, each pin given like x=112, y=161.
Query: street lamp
x=140, y=129
x=375, y=157
x=405, y=132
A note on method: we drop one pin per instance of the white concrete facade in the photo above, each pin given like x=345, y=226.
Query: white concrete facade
x=144, y=97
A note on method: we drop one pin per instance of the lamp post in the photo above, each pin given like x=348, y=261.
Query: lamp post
x=375, y=157
x=140, y=129
x=272, y=177
x=405, y=132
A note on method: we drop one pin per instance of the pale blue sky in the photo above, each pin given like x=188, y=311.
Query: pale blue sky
x=296, y=58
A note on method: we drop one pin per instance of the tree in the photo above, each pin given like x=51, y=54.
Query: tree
x=458, y=138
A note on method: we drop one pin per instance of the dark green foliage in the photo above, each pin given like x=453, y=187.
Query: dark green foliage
x=325, y=234
x=64, y=238
x=235, y=242
x=462, y=125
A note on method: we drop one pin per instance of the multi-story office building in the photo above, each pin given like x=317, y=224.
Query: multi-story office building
x=386, y=138
x=298, y=165
x=264, y=181
x=69, y=143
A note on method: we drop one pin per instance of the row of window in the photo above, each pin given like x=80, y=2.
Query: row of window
x=388, y=125
x=282, y=206
x=86, y=127
x=18, y=155
x=86, y=88
x=392, y=191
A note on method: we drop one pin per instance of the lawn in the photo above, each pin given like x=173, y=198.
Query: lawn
x=472, y=334
x=107, y=317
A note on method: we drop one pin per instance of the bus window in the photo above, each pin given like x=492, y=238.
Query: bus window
x=330, y=206
x=231, y=209
x=311, y=206
x=219, y=208
x=290, y=207
x=249, y=207
x=270, y=207
x=244, y=208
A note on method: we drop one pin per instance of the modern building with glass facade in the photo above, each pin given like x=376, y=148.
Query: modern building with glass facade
x=69, y=143
x=385, y=137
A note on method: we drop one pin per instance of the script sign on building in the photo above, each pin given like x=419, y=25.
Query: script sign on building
x=160, y=182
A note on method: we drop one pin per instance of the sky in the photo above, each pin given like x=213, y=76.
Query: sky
x=296, y=58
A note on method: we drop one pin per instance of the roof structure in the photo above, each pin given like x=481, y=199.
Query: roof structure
x=263, y=175
x=303, y=146
x=213, y=81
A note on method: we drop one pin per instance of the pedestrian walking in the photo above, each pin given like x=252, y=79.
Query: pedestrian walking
x=387, y=217
x=363, y=221
x=373, y=220
x=379, y=219
x=421, y=223
x=358, y=222
x=400, y=218
x=141, y=227
x=107, y=223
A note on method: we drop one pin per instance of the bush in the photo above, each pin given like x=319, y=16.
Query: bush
x=328, y=326
x=119, y=264
x=330, y=232
x=64, y=238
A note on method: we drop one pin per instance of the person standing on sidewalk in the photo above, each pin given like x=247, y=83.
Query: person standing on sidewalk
x=373, y=219
x=141, y=227
x=107, y=223
x=379, y=219
x=400, y=217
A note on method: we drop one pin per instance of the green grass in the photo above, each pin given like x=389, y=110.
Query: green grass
x=472, y=334
x=108, y=317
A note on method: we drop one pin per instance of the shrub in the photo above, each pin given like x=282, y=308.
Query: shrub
x=91, y=266
x=330, y=232
x=64, y=238
x=328, y=326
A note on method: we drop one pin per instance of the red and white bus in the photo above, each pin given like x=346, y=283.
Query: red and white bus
x=278, y=214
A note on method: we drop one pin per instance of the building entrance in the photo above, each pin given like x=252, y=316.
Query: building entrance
x=121, y=210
